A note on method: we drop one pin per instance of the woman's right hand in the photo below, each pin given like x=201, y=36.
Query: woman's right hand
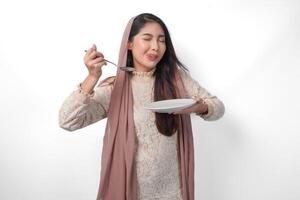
x=94, y=61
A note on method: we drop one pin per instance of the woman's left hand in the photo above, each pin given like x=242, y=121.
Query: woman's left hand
x=200, y=107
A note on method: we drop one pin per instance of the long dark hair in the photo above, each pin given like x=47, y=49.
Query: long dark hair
x=164, y=87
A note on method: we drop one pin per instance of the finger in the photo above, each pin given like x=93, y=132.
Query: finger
x=180, y=113
x=197, y=98
x=99, y=54
x=92, y=55
x=184, y=111
x=90, y=50
x=99, y=64
x=94, y=47
x=176, y=113
x=188, y=110
x=98, y=60
x=96, y=54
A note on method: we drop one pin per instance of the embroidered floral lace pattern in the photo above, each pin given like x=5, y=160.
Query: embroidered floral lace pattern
x=156, y=159
x=215, y=106
x=80, y=110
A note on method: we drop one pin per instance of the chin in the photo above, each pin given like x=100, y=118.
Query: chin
x=151, y=65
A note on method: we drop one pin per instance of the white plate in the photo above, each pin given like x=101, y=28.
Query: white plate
x=169, y=106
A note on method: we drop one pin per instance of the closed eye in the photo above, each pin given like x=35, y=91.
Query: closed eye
x=147, y=39
x=161, y=38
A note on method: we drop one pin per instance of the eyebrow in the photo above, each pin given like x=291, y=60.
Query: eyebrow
x=148, y=34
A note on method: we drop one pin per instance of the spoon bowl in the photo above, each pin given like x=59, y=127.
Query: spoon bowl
x=128, y=69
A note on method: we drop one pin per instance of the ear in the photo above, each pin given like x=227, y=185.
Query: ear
x=129, y=45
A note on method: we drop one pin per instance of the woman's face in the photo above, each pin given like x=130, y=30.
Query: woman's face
x=148, y=47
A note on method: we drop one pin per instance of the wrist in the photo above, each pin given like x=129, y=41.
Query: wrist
x=87, y=86
x=93, y=77
x=203, y=109
x=88, y=93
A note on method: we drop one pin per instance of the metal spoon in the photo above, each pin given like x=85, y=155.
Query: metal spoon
x=127, y=69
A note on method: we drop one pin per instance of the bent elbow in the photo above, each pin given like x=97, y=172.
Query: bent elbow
x=67, y=125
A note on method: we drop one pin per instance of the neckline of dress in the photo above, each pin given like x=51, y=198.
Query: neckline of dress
x=147, y=74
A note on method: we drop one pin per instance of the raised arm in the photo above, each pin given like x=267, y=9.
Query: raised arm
x=86, y=105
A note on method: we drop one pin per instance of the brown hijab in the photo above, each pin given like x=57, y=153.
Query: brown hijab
x=118, y=179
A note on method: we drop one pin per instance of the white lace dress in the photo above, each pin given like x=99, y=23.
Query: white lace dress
x=156, y=159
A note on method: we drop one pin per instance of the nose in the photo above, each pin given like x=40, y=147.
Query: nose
x=154, y=45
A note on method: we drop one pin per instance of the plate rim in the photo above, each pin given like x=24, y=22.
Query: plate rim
x=170, y=107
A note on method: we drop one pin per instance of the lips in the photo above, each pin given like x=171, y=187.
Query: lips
x=151, y=57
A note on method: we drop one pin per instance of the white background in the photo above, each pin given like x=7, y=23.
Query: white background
x=246, y=52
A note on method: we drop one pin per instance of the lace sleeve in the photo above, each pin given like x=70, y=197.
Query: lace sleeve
x=216, y=107
x=80, y=110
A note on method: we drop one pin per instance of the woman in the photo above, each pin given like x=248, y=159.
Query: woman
x=145, y=155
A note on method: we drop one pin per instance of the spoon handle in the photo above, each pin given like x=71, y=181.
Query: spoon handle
x=111, y=63
x=128, y=69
